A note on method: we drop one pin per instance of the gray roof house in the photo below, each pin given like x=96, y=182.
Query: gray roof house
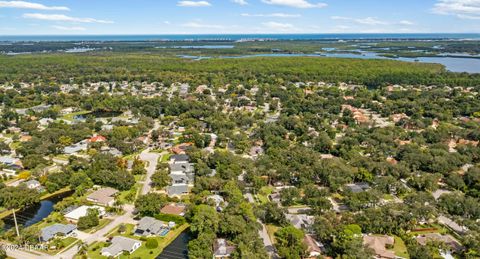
x=300, y=221
x=52, y=231
x=75, y=148
x=221, y=249
x=32, y=184
x=120, y=244
x=177, y=189
x=179, y=159
x=149, y=226
x=357, y=187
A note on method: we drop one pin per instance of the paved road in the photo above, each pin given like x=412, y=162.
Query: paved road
x=151, y=159
x=263, y=232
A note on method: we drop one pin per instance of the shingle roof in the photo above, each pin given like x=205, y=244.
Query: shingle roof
x=120, y=244
x=51, y=231
x=149, y=226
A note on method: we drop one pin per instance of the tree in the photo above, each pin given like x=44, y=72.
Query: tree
x=150, y=204
x=161, y=179
x=204, y=218
x=290, y=242
x=289, y=196
x=88, y=221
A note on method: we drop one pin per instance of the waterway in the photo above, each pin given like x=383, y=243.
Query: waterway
x=454, y=64
x=178, y=249
x=35, y=213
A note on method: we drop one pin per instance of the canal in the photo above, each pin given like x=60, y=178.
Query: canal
x=178, y=249
x=36, y=212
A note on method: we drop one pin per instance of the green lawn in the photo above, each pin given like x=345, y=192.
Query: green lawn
x=94, y=250
x=102, y=223
x=400, y=248
x=65, y=243
x=69, y=117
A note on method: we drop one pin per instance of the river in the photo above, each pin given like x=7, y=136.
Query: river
x=453, y=64
x=178, y=249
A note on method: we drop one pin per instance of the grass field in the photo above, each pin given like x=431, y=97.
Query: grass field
x=400, y=248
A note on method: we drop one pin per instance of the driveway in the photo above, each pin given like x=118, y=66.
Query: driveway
x=152, y=160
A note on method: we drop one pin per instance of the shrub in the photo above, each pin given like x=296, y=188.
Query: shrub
x=152, y=243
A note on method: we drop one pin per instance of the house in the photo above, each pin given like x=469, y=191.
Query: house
x=301, y=221
x=450, y=241
x=177, y=190
x=103, y=196
x=50, y=232
x=174, y=209
x=120, y=244
x=11, y=162
x=452, y=225
x=313, y=247
x=97, y=138
x=217, y=200
x=379, y=245
x=75, y=148
x=221, y=249
x=179, y=159
x=149, y=226
x=32, y=184
x=82, y=211
x=357, y=187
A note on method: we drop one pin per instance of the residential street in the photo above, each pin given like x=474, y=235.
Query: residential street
x=151, y=159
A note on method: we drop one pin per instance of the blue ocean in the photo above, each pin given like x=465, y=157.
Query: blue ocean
x=238, y=37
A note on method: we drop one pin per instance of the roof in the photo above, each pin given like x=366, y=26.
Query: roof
x=181, y=167
x=300, y=221
x=177, y=189
x=82, y=211
x=149, y=226
x=98, y=138
x=50, y=232
x=180, y=158
x=357, y=187
x=452, y=224
x=174, y=209
x=378, y=245
x=103, y=195
x=221, y=248
x=312, y=246
x=120, y=244
x=34, y=182
x=447, y=239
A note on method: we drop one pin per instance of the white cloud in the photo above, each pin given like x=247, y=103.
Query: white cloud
x=295, y=3
x=281, y=27
x=62, y=18
x=30, y=5
x=193, y=3
x=74, y=28
x=240, y=2
x=463, y=9
x=167, y=22
x=277, y=15
x=405, y=22
x=198, y=25
x=364, y=21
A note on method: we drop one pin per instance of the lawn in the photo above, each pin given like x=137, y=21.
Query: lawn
x=69, y=117
x=66, y=242
x=94, y=250
x=400, y=248
x=263, y=194
x=102, y=223
x=271, y=229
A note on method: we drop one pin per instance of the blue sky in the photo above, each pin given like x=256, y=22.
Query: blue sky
x=237, y=16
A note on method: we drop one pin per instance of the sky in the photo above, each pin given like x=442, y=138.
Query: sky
x=57, y=17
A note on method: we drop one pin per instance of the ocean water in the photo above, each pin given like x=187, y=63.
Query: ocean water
x=238, y=37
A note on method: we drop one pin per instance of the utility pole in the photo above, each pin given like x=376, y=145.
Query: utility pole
x=16, y=224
